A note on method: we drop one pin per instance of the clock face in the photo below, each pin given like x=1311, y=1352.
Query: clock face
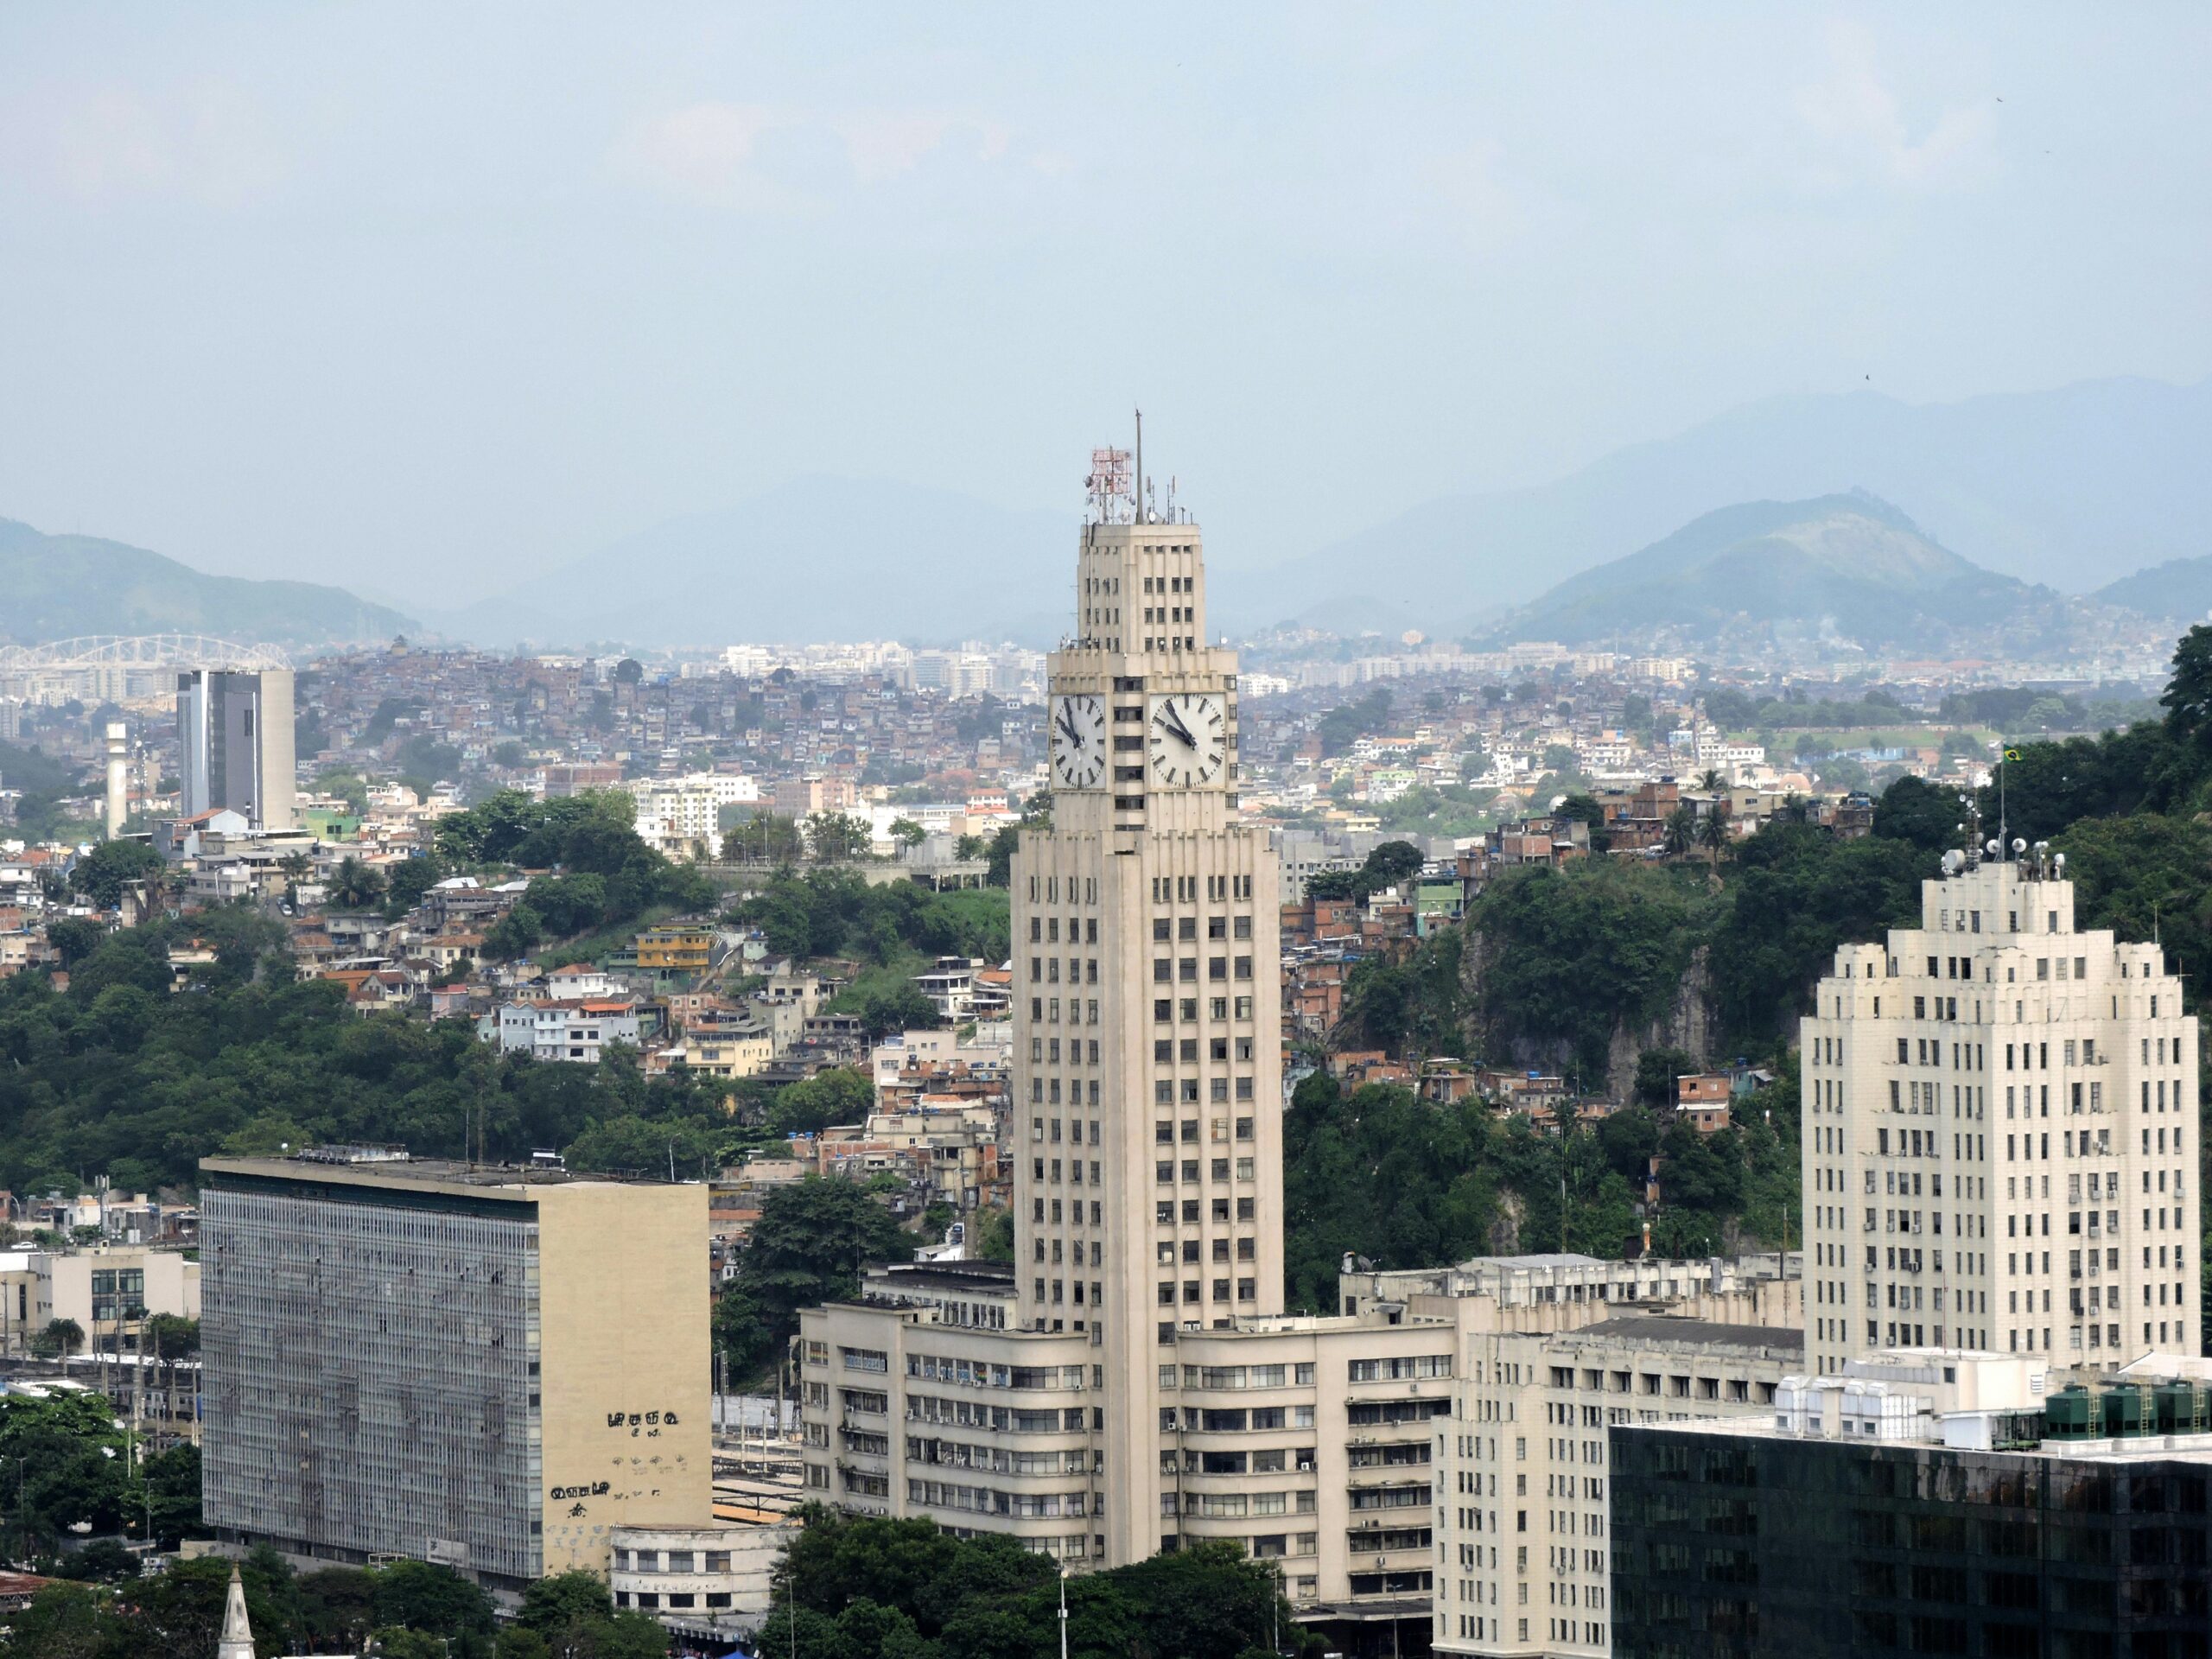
x=1187, y=737
x=1078, y=741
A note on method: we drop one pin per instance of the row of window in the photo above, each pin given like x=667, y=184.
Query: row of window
x=1166, y=971
x=672, y=1560
x=1234, y=1419
x=1165, y=1213
x=1247, y=1291
x=1167, y=1009
x=1246, y=1251
x=1168, y=1171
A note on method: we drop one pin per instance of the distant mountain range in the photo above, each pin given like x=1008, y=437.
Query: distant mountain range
x=59, y=587
x=2060, y=492
x=2180, y=590
x=819, y=558
x=2070, y=488
x=1839, y=570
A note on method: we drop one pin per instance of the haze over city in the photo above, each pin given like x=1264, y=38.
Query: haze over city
x=420, y=301
x=1229, y=832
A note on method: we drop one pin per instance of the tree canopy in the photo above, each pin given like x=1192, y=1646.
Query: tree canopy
x=863, y=1588
x=809, y=1247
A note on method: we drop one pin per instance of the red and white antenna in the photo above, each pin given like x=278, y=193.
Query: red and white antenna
x=1110, y=484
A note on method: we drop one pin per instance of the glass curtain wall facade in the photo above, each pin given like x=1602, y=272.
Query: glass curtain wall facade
x=1726, y=1545
x=378, y=1364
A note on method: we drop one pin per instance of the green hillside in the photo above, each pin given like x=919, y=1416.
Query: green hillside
x=1849, y=569
x=2180, y=590
x=59, y=587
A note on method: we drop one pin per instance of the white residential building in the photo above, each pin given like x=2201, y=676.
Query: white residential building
x=1999, y=1140
x=575, y=1028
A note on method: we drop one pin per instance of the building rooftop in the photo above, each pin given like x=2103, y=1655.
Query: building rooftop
x=1654, y=1328
x=333, y=1166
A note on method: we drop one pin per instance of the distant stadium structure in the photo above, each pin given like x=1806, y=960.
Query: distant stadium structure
x=113, y=667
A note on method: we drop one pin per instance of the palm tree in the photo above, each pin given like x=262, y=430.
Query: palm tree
x=1711, y=781
x=355, y=886
x=1682, y=829
x=295, y=865
x=1712, y=832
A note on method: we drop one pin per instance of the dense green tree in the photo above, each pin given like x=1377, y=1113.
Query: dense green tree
x=354, y=886
x=170, y=1495
x=838, y=913
x=1343, y=725
x=1570, y=955
x=765, y=837
x=834, y=1094
x=516, y=934
x=834, y=837
x=101, y=874
x=991, y=1235
x=64, y=1621
x=1924, y=815
x=75, y=937
x=857, y=1588
x=638, y=1146
x=807, y=1248
x=1410, y=1007
x=1393, y=862
x=885, y=1014
x=409, y=879
x=58, y=1339
x=103, y=1561
x=1655, y=1072
x=150, y=1086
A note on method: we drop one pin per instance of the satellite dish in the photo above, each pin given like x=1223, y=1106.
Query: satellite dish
x=2019, y=846
x=2058, y=860
x=1994, y=847
x=1952, y=860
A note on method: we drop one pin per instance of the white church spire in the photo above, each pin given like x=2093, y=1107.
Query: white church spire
x=237, y=1640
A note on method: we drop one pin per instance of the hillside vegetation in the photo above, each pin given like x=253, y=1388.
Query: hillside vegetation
x=61, y=586
x=1849, y=567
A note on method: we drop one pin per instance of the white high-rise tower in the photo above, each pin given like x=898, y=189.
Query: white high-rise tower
x=1148, y=1063
x=1999, y=1127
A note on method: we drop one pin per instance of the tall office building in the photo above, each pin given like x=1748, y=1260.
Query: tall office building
x=1999, y=1127
x=1131, y=1384
x=234, y=738
x=489, y=1369
x=1146, y=1068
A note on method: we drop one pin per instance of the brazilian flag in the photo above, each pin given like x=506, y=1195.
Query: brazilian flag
x=2012, y=754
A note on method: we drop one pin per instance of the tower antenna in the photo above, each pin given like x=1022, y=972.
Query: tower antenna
x=1140, y=479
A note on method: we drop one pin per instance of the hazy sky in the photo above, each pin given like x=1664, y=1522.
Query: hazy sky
x=421, y=298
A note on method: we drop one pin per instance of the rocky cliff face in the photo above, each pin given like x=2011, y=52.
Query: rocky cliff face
x=1689, y=1022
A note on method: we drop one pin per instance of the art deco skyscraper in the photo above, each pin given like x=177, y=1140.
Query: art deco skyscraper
x=1999, y=1128
x=1147, y=1065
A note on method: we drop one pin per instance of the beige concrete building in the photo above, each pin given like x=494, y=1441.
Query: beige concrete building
x=1132, y=1382
x=709, y=1583
x=26, y=1299
x=1999, y=1128
x=111, y=1292
x=489, y=1367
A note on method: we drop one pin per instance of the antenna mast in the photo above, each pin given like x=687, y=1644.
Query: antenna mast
x=1139, y=480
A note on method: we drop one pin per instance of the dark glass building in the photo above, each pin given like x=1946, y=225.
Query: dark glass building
x=1743, y=1543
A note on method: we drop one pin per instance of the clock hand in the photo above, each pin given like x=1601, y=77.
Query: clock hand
x=1067, y=725
x=1180, y=730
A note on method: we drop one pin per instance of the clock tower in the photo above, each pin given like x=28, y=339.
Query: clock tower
x=1148, y=1054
